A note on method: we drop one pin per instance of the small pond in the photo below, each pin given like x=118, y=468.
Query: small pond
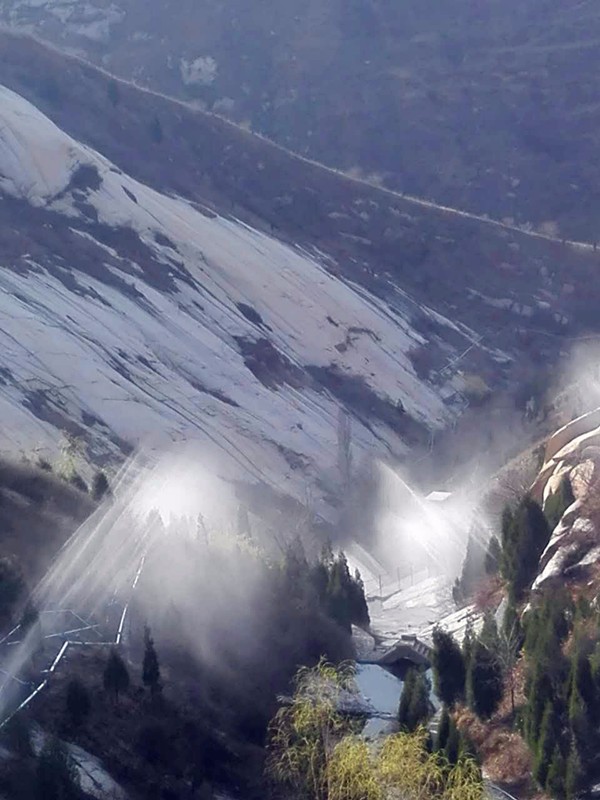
x=382, y=689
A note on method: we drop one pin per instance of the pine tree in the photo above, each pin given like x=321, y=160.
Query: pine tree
x=454, y=745
x=579, y=720
x=408, y=688
x=511, y=623
x=526, y=535
x=534, y=538
x=99, y=486
x=574, y=773
x=558, y=502
x=346, y=602
x=473, y=568
x=320, y=579
x=151, y=668
x=449, y=740
x=457, y=593
x=582, y=682
x=489, y=632
x=548, y=740
x=468, y=643
x=337, y=591
x=510, y=641
x=484, y=682
x=443, y=729
x=583, y=608
x=555, y=780
x=493, y=556
x=295, y=567
x=448, y=667
x=540, y=692
x=116, y=676
x=561, y=612
x=78, y=702
x=547, y=626
x=414, y=701
x=360, y=609
x=419, y=707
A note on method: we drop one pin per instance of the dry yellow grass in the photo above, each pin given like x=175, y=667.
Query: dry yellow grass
x=504, y=755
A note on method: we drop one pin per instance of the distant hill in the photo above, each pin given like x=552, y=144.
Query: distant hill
x=488, y=106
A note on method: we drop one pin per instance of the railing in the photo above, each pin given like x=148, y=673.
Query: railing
x=116, y=642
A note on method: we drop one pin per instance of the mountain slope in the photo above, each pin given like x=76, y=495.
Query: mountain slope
x=167, y=275
x=377, y=238
x=492, y=107
x=183, y=321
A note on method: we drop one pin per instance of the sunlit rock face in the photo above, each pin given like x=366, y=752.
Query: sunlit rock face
x=574, y=547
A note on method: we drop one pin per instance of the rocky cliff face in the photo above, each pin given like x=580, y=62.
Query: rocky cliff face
x=573, y=551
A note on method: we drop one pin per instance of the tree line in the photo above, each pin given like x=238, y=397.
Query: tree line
x=561, y=716
x=340, y=595
x=475, y=673
x=558, y=639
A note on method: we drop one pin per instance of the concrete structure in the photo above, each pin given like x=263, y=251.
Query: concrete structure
x=407, y=648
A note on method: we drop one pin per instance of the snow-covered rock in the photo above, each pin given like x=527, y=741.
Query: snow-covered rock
x=572, y=452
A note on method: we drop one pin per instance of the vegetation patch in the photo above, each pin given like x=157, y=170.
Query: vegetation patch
x=355, y=393
x=271, y=367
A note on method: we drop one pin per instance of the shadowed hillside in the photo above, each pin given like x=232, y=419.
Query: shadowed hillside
x=492, y=107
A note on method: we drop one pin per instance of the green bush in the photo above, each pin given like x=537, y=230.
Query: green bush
x=558, y=502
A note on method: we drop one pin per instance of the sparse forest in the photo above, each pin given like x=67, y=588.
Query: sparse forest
x=551, y=639
x=560, y=719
